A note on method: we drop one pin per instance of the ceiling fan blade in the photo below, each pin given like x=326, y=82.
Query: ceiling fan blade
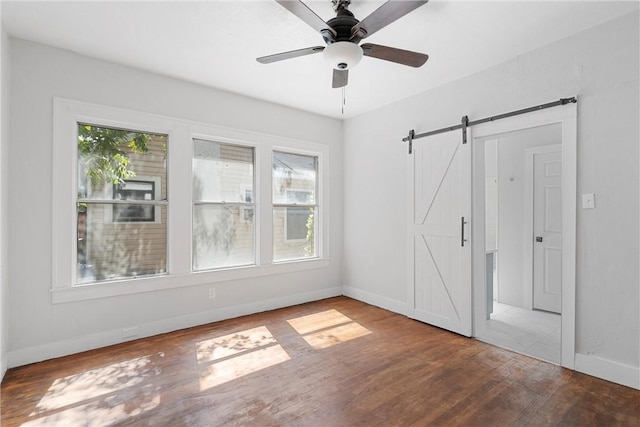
x=399, y=56
x=383, y=16
x=303, y=12
x=340, y=78
x=288, y=55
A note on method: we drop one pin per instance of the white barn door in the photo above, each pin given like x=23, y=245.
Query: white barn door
x=439, y=290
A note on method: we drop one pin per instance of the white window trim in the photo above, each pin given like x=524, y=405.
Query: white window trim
x=66, y=115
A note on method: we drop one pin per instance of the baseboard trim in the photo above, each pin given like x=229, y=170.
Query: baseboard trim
x=74, y=345
x=608, y=370
x=377, y=300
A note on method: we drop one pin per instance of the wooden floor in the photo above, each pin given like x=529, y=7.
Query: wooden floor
x=329, y=363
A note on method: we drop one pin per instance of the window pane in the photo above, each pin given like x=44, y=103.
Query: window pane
x=109, y=250
x=222, y=172
x=110, y=160
x=120, y=240
x=294, y=232
x=222, y=236
x=294, y=178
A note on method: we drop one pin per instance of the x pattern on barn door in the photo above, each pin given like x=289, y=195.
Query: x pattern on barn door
x=440, y=258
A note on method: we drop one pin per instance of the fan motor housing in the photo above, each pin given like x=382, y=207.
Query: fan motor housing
x=342, y=24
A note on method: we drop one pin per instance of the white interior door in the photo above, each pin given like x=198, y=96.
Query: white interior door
x=547, y=229
x=440, y=253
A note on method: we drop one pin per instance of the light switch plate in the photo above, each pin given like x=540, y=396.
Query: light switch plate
x=588, y=201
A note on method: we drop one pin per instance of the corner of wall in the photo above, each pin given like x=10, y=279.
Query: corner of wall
x=4, y=142
x=393, y=305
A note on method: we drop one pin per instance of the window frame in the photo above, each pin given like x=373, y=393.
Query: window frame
x=180, y=133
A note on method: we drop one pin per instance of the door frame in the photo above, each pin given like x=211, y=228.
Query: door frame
x=529, y=182
x=566, y=116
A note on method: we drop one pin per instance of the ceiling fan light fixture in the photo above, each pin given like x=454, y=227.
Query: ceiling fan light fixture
x=343, y=55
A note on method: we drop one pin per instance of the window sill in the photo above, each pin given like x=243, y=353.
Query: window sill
x=172, y=281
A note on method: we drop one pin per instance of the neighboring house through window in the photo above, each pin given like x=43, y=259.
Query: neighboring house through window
x=131, y=189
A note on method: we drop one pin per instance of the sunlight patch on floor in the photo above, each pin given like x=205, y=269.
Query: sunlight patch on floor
x=108, y=396
x=232, y=344
x=241, y=365
x=337, y=335
x=100, y=397
x=98, y=382
x=103, y=412
x=327, y=328
x=315, y=322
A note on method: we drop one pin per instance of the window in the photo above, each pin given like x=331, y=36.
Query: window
x=294, y=206
x=223, y=209
x=116, y=238
x=116, y=231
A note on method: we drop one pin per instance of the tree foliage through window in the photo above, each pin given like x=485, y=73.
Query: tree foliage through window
x=102, y=150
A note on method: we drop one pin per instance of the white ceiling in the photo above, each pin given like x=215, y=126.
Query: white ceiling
x=215, y=43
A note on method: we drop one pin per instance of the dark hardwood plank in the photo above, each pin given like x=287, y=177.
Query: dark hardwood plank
x=327, y=363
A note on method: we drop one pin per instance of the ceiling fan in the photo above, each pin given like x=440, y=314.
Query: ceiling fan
x=343, y=33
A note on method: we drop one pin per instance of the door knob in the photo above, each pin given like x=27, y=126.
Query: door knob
x=538, y=238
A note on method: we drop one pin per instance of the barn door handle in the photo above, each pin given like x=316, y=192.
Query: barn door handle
x=462, y=239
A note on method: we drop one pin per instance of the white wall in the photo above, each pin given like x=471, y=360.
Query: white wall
x=511, y=204
x=4, y=148
x=599, y=65
x=41, y=329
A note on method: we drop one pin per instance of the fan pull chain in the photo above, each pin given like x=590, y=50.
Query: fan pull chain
x=343, y=99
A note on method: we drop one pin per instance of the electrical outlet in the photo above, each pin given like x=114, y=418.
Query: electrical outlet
x=212, y=293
